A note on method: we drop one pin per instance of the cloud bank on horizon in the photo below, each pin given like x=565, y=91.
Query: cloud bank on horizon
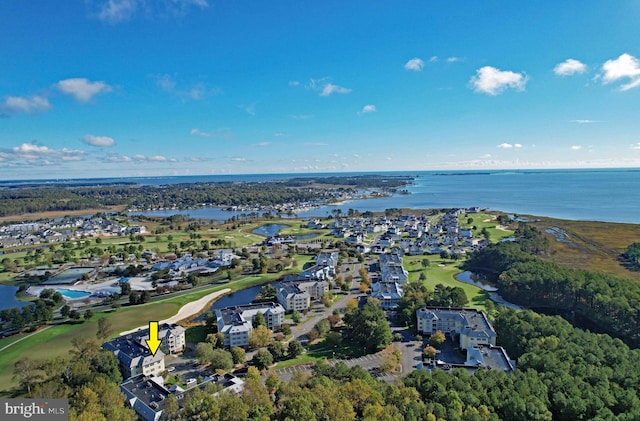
x=156, y=87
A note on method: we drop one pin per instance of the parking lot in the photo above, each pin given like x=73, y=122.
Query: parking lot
x=186, y=368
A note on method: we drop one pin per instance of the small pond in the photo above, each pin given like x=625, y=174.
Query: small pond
x=472, y=279
x=271, y=230
x=238, y=298
x=8, y=297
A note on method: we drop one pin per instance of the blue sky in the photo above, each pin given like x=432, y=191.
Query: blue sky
x=101, y=88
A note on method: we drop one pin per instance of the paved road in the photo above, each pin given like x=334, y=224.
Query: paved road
x=319, y=312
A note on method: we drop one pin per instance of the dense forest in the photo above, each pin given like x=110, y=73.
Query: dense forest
x=606, y=303
x=563, y=374
x=17, y=201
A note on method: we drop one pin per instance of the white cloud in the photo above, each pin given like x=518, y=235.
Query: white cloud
x=433, y=59
x=82, y=89
x=26, y=104
x=576, y=147
x=294, y=83
x=37, y=154
x=624, y=67
x=249, y=109
x=505, y=146
x=239, y=159
x=262, y=144
x=415, y=64
x=330, y=88
x=570, y=67
x=223, y=132
x=102, y=141
x=114, y=157
x=453, y=59
x=367, y=109
x=116, y=11
x=486, y=156
x=153, y=158
x=636, y=146
x=492, y=81
x=198, y=132
x=517, y=145
x=583, y=121
x=157, y=158
x=195, y=91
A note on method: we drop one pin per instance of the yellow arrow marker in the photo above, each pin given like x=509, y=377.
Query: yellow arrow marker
x=154, y=341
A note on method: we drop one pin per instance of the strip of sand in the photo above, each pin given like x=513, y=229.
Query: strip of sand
x=187, y=310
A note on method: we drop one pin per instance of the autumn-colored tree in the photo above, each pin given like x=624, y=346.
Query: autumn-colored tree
x=259, y=337
x=436, y=339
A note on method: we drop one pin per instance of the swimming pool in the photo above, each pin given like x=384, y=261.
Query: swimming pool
x=73, y=294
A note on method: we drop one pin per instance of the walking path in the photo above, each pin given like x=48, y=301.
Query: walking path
x=24, y=337
x=187, y=310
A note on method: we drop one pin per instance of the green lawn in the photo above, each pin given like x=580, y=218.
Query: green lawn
x=56, y=341
x=442, y=272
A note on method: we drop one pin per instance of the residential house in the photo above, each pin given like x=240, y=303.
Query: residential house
x=389, y=294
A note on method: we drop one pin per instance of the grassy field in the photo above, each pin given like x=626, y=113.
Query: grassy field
x=442, y=271
x=56, y=340
x=592, y=246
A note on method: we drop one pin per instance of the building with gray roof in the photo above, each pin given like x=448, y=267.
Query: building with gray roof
x=236, y=322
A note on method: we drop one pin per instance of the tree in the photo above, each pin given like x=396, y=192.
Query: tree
x=88, y=314
x=204, y=352
x=295, y=317
x=294, y=349
x=323, y=327
x=74, y=314
x=221, y=360
x=390, y=361
x=333, y=340
x=444, y=255
x=272, y=382
x=437, y=339
x=25, y=372
x=171, y=408
x=268, y=292
x=286, y=329
x=105, y=329
x=125, y=288
x=422, y=277
x=259, y=320
x=277, y=350
x=238, y=355
x=327, y=299
x=425, y=263
x=429, y=352
x=64, y=310
x=259, y=337
x=368, y=327
x=262, y=359
x=352, y=305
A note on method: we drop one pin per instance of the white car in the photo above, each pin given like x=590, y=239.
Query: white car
x=171, y=369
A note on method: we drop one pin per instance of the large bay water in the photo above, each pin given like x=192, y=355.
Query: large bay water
x=611, y=195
